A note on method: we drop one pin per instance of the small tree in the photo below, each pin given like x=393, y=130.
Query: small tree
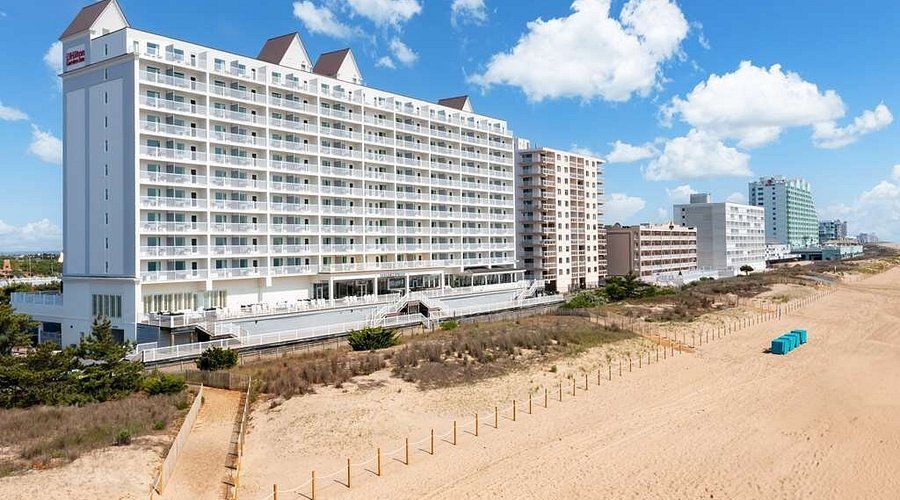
x=746, y=269
x=216, y=358
x=15, y=329
x=105, y=373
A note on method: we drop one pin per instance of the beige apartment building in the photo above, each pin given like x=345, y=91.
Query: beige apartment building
x=651, y=251
x=560, y=236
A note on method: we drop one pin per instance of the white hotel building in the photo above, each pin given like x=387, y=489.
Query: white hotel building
x=198, y=179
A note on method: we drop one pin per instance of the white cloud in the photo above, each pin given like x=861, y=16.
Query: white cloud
x=737, y=197
x=385, y=62
x=321, y=20
x=467, y=11
x=385, y=12
x=11, y=114
x=402, y=53
x=53, y=58
x=590, y=54
x=581, y=150
x=662, y=215
x=33, y=236
x=697, y=155
x=876, y=210
x=680, y=194
x=829, y=136
x=895, y=172
x=623, y=152
x=620, y=207
x=753, y=104
x=45, y=146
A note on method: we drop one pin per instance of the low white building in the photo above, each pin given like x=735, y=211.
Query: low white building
x=729, y=235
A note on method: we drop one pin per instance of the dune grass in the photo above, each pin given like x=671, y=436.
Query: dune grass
x=46, y=436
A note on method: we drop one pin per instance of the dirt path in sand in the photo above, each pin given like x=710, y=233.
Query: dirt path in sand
x=201, y=469
x=728, y=421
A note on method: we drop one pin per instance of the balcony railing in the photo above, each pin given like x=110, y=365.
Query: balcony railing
x=172, y=105
x=172, y=178
x=171, y=202
x=174, y=227
x=167, y=129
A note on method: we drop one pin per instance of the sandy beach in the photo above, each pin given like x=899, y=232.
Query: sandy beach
x=726, y=421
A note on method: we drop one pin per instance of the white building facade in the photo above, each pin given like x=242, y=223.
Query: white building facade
x=729, y=235
x=199, y=179
x=559, y=212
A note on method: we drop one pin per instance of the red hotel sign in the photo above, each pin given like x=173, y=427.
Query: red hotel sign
x=75, y=57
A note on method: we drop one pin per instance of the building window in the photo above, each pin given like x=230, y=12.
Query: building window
x=109, y=306
x=152, y=49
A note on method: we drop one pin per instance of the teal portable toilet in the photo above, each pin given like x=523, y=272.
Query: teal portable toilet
x=802, y=334
x=795, y=340
x=790, y=341
x=781, y=345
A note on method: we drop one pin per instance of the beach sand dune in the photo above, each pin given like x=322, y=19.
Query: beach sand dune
x=728, y=421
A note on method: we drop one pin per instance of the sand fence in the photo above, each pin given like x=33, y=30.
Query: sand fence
x=665, y=345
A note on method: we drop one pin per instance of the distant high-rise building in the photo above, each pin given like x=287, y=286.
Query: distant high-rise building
x=789, y=210
x=832, y=230
x=866, y=238
x=560, y=233
x=729, y=235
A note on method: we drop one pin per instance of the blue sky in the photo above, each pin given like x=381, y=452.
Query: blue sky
x=679, y=96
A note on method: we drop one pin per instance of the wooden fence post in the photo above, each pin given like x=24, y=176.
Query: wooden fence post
x=585, y=382
x=529, y=403
x=573, y=385
x=407, y=446
x=545, y=397
x=629, y=363
x=476, y=424
x=496, y=418
x=560, y=391
x=454, y=433
x=313, y=486
x=514, y=410
x=432, y=442
x=378, y=461
x=610, y=371
x=348, y=473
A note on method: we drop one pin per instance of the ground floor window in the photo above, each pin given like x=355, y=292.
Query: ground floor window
x=184, y=301
x=109, y=306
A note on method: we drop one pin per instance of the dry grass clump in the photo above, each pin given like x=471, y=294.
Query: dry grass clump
x=291, y=375
x=45, y=436
x=478, y=351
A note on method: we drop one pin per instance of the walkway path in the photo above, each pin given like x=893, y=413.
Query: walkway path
x=201, y=469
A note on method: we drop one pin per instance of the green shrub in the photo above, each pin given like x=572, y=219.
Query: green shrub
x=585, y=300
x=450, y=324
x=159, y=425
x=369, y=339
x=123, y=437
x=162, y=383
x=216, y=358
